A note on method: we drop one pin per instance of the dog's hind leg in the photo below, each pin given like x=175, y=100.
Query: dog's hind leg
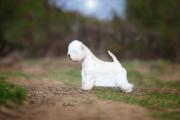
x=124, y=86
x=123, y=83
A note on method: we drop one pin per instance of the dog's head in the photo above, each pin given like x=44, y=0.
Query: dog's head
x=76, y=51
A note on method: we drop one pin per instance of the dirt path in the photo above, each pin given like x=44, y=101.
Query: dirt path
x=51, y=100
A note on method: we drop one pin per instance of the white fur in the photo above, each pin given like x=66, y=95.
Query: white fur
x=96, y=72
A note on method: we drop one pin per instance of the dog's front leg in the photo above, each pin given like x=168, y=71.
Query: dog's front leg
x=87, y=82
x=83, y=79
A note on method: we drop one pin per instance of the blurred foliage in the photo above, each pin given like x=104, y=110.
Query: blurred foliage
x=33, y=25
x=159, y=22
x=40, y=28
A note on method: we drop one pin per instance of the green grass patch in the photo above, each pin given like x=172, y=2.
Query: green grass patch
x=158, y=67
x=157, y=102
x=175, y=84
x=148, y=74
x=132, y=64
x=172, y=115
x=135, y=77
x=11, y=93
x=150, y=100
x=8, y=74
x=69, y=76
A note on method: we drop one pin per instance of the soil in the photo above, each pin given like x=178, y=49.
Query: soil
x=52, y=100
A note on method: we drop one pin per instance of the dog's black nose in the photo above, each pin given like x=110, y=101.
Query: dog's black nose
x=68, y=56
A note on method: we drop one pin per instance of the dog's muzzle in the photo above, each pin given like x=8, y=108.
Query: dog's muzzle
x=69, y=56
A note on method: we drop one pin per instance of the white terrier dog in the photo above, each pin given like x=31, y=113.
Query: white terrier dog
x=96, y=72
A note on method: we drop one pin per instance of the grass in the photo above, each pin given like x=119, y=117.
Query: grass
x=148, y=74
x=151, y=100
x=10, y=74
x=167, y=115
x=162, y=105
x=68, y=75
x=11, y=93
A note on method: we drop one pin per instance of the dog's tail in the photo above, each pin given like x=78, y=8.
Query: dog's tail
x=113, y=57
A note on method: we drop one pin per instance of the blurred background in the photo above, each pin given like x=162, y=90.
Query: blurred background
x=132, y=29
x=34, y=69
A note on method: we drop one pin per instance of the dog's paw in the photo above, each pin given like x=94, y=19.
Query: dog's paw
x=85, y=89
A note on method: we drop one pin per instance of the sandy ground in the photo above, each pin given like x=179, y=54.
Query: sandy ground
x=52, y=100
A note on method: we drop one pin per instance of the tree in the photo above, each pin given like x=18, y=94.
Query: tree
x=161, y=17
